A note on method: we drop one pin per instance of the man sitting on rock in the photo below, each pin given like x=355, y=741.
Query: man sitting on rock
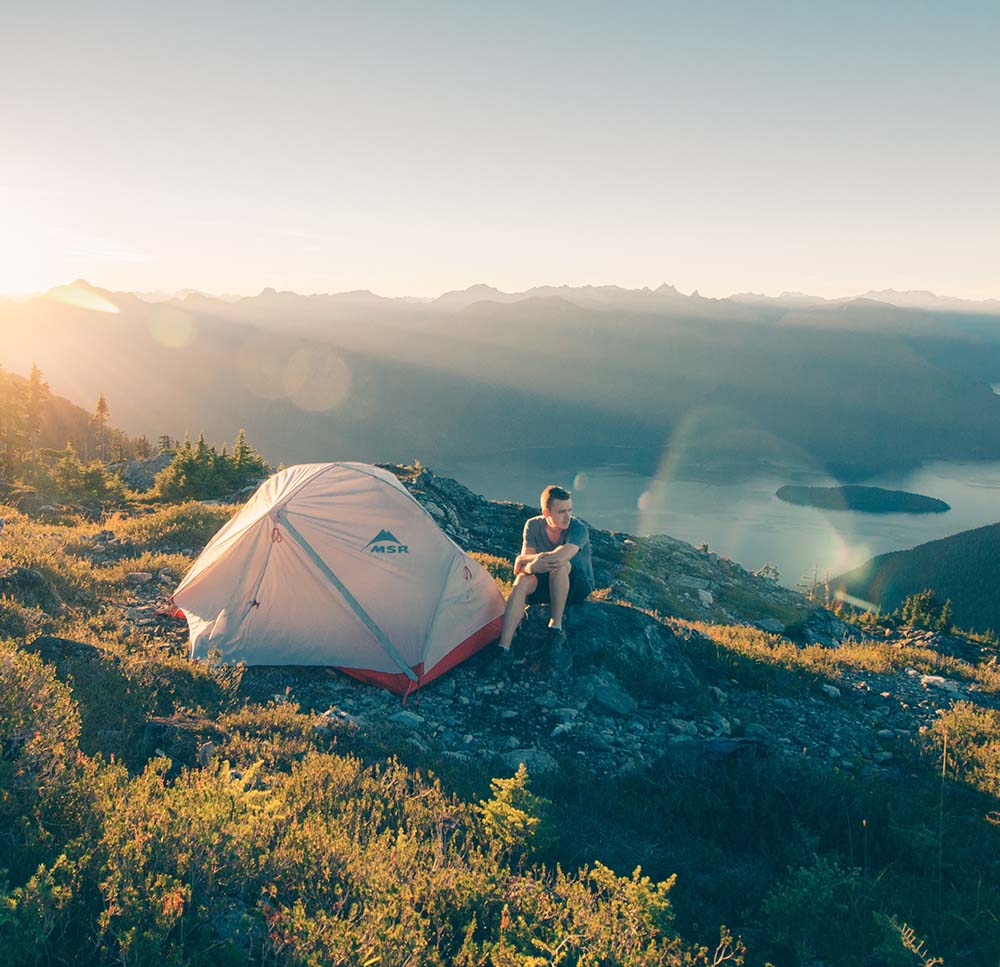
x=554, y=566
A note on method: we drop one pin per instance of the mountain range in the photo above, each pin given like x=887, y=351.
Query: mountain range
x=848, y=387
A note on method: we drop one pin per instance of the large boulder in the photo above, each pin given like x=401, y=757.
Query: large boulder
x=643, y=654
x=140, y=474
x=27, y=587
x=821, y=627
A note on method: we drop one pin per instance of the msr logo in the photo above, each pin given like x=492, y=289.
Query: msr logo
x=385, y=542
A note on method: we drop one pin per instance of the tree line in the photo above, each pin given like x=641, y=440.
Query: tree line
x=50, y=444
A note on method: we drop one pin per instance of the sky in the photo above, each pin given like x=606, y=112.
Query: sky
x=412, y=148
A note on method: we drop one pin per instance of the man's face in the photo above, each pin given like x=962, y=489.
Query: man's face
x=558, y=514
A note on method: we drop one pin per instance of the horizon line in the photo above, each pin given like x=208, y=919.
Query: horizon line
x=179, y=294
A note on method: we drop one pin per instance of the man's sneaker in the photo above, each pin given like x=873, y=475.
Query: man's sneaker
x=503, y=660
x=556, y=637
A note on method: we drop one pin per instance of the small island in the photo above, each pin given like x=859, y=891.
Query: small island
x=867, y=500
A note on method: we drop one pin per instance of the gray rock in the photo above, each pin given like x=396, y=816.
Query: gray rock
x=772, y=625
x=937, y=681
x=407, y=719
x=755, y=730
x=706, y=598
x=683, y=727
x=26, y=585
x=681, y=741
x=139, y=577
x=536, y=761
x=610, y=697
x=830, y=690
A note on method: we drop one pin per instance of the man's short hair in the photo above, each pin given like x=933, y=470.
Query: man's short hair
x=552, y=492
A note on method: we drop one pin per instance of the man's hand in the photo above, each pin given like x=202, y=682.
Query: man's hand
x=544, y=563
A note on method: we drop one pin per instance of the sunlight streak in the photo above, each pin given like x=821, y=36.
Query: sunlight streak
x=81, y=296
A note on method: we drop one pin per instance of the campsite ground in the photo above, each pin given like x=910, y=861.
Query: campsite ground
x=814, y=796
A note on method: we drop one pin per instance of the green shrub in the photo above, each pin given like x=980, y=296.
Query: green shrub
x=516, y=819
x=501, y=569
x=39, y=754
x=185, y=525
x=20, y=621
x=812, y=909
x=968, y=737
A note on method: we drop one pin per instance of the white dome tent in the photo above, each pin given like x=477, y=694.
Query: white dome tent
x=336, y=564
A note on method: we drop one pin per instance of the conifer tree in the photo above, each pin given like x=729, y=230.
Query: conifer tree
x=38, y=393
x=12, y=422
x=100, y=419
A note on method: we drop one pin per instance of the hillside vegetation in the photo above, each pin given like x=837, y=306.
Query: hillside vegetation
x=963, y=568
x=158, y=811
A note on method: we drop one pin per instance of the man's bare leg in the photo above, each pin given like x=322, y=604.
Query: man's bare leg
x=524, y=584
x=558, y=593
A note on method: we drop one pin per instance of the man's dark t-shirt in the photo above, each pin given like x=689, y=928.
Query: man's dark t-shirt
x=536, y=536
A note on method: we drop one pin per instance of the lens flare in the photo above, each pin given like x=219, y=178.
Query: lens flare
x=317, y=381
x=261, y=363
x=313, y=379
x=81, y=296
x=707, y=491
x=171, y=327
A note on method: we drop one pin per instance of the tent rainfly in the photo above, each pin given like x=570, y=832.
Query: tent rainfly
x=336, y=564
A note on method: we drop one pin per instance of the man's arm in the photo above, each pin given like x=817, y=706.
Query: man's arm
x=545, y=561
x=521, y=561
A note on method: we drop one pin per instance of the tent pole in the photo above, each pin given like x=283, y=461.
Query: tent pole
x=353, y=602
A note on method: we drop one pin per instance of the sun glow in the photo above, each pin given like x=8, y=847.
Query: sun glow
x=21, y=258
x=82, y=296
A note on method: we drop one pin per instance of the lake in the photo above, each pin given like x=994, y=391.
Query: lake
x=735, y=510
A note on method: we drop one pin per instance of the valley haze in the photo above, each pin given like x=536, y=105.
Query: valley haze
x=651, y=383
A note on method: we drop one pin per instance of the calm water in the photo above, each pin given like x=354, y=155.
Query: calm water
x=737, y=514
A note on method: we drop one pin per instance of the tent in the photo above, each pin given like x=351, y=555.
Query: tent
x=336, y=564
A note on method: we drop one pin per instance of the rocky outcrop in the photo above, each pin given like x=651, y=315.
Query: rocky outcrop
x=659, y=574
x=27, y=586
x=629, y=689
x=139, y=475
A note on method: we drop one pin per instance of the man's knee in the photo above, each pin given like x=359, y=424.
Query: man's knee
x=524, y=584
x=563, y=569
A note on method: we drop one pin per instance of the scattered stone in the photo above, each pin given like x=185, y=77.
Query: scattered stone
x=53, y=650
x=609, y=696
x=937, y=681
x=771, y=625
x=707, y=600
x=683, y=727
x=408, y=719
x=830, y=690
x=139, y=577
x=755, y=730
x=675, y=741
x=536, y=761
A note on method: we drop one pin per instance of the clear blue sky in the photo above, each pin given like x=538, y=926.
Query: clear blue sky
x=414, y=147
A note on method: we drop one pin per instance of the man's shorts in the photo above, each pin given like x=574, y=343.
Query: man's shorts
x=579, y=588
